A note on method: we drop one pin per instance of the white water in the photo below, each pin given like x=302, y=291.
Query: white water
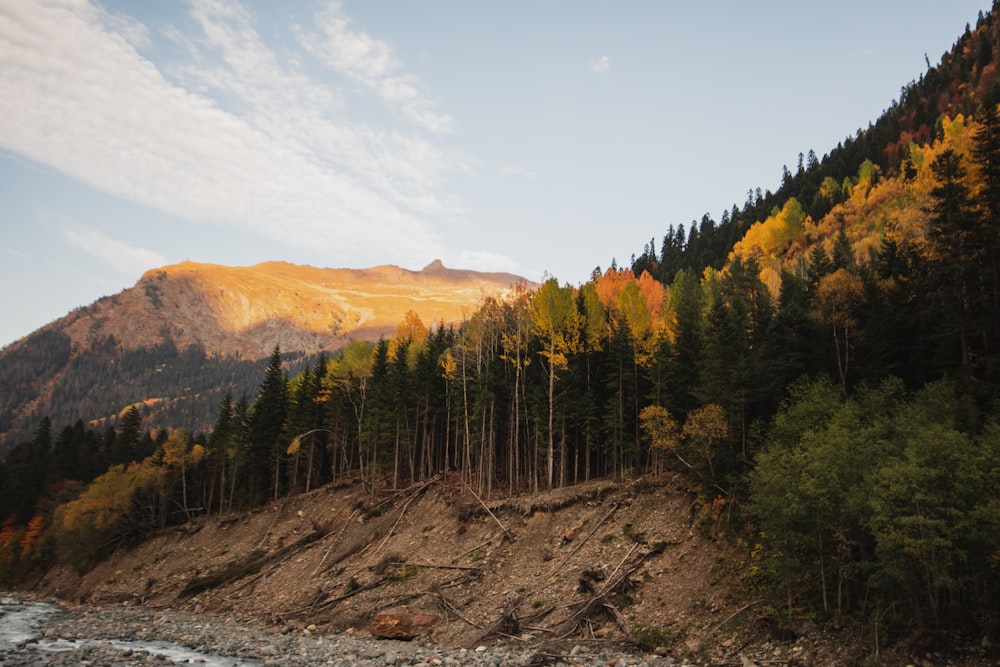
x=19, y=620
x=22, y=622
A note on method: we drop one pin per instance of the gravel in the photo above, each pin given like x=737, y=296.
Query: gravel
x=119, y=635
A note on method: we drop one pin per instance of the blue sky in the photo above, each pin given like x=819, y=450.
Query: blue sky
x=530, y=137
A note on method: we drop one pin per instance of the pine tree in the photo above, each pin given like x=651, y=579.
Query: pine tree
x=268, y=421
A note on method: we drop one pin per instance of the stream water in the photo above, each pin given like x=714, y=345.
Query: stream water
x=24, y=622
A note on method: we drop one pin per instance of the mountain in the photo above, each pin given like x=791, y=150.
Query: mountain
x=186, y=333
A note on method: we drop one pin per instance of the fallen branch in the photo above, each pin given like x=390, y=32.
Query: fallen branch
x=488, y=510
x=247, y=566
x=507, y=623
x=435, y=566
x=614, y=507
x=478, y=546
x=339, y=533
x=448, y=608
x=402, y=511
x=326, y=604
x=617, y=580
x=731, y=616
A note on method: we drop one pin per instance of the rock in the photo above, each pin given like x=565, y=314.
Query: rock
x=405, y=625
x=804, y=627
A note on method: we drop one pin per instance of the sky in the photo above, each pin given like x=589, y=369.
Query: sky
x=538, y=138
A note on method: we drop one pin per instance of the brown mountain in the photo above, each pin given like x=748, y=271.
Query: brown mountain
x=186, y=333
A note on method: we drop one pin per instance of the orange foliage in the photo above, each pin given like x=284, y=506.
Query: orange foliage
x=611, y=285
x=653, y=293
x=35, y=529
x=9, y=531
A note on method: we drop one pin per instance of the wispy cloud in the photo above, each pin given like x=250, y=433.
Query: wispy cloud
x=486, y=260
x=602, y=66
x=118, y=254
x=234, y=136
x=371, y=63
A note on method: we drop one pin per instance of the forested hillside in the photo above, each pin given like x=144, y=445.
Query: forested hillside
x=185, y=334
x=822, y=364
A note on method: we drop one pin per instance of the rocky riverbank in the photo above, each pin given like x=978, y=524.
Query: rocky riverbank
x=124, y=635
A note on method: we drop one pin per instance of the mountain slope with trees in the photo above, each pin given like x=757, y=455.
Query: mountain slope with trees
x=823, y=373
x=187, y=333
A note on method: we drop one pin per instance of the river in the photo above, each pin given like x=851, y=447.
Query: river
x=24, y=641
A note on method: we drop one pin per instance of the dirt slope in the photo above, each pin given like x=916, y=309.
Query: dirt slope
x=334, y=557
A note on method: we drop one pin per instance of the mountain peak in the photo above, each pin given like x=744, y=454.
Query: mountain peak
x=434, y=267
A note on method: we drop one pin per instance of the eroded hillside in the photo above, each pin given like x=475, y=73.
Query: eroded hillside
x=599, y=563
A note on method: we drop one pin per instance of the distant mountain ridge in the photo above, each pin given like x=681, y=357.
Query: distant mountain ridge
x=246, y=311
x=191, y=330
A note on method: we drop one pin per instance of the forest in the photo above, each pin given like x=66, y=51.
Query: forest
x=821, y=366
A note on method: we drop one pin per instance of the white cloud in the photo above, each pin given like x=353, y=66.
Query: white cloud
x=236, y=136
x=118, y=254
x=602, y=66
x=486, y=260
x=134, y=32
x=371, y=63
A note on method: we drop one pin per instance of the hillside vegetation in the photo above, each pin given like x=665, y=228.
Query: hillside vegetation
x=820, y=369
x=186, y=334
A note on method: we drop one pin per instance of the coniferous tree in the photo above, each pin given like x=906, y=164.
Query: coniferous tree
x=952, y=232
x=223, y=444
x=268, y=421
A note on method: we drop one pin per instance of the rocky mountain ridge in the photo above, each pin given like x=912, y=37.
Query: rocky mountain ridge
x=246, y=311
x=186, y=333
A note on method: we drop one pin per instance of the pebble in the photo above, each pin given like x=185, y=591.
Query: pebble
x=242, y=643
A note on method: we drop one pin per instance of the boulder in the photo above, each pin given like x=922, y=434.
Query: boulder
x=405, y=625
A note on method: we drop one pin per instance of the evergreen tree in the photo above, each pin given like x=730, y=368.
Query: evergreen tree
x=267, y=431
x=953, y=234
x=685, y=306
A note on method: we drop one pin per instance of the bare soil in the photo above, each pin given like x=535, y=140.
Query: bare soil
x=637, y=565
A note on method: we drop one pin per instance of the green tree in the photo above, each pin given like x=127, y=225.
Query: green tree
x=556, y=322
x=952, y=232
x=686, y=301
x=267, y=430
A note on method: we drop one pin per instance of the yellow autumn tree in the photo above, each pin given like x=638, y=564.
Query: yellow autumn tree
x=838, y=298
x=704, y=429
x=412, y=333
x=773, y=236
x=178, y=454
x=556, y=322
x=662, y=430
x=118, y=503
